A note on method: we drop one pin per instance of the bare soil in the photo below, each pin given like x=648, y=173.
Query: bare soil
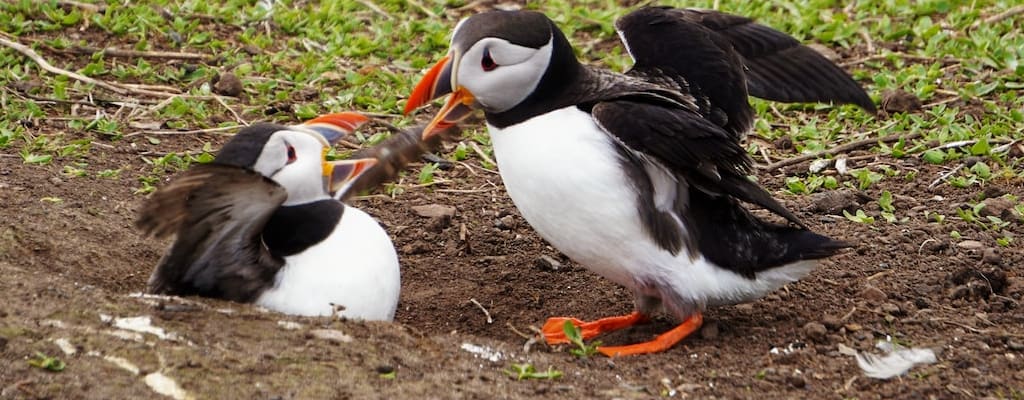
x=70, y=258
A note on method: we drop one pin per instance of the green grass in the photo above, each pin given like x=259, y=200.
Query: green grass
x=299, y=59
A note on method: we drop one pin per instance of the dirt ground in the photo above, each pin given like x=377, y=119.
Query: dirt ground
x=475, y=282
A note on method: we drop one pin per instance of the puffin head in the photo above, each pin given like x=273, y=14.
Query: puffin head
x=496, y=61
x=294, y=156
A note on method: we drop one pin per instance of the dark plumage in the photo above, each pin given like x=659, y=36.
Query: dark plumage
x=643, y=174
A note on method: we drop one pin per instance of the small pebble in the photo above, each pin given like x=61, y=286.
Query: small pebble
x=797, y=381
x=549, y=263
x=434, y=211
x=507, y=222
x=891, y=309
x=228, y=85
x=815, y=331
x=992, y=256
x=832, y=322
x=895, y=101
x=331, y=335
x=873, y=294
x=970, y=245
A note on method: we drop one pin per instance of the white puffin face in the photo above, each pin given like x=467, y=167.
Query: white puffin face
x=500, y=74
x=294, y=159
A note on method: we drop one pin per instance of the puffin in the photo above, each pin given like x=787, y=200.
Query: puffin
x=262, y=223
x=640, y=176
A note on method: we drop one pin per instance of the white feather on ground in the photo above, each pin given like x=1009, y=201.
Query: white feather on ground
x=896, y=362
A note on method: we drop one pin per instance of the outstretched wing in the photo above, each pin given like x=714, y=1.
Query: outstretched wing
x=217, y=213
x=724, y=57
x=779, y=67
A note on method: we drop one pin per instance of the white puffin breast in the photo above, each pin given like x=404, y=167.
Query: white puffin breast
x=355, y=268
x=565, y=176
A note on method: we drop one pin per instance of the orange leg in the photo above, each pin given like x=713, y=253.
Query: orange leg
x=554, y=333
x=663, y=342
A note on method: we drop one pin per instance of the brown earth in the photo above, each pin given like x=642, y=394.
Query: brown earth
x=65, y=263
x=70, y=257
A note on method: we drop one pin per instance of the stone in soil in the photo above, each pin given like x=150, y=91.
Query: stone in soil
x=835, y=201
x=991, y=256
x=897, y=101
x=873, y=294
x=549, y=263
x=228, y=85
x=815, y=331
x=999, y=207
x=434, y=211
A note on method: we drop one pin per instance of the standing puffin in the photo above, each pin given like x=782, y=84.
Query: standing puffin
x=640, y=176
x=259, y=224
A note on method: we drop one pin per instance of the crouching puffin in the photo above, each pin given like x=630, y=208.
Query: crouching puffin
x=259, y=224
x=640, y=176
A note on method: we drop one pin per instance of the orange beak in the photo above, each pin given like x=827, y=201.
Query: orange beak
x=439, y=81
x=341, y=174
x=335, y=126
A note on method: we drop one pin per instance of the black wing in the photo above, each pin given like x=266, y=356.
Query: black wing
x=779, y=67
x=712, y=169
x=689, y=145
x=723, y=56
x=218, y=213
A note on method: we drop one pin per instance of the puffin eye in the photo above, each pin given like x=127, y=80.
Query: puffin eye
x=487, y=63
x=291, y=154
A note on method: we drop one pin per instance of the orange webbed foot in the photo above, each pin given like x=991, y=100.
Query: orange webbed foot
x=661, y=343
x=554, y=328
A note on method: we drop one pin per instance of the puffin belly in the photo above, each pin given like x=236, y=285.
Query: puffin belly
x=353, y=272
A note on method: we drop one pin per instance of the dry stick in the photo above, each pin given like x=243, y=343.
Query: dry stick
x=230, y=110
x=481, y=306
x=945, y=175
x=838, y=149
x=122, y=90
x=86, y=50
x=369, y=4
x=85, y=6
x=999, y=17
x=905, y=56
x=422, y=8
x=480, y=152
x=194, y=131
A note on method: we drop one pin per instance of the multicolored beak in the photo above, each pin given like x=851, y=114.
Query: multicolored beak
x=439, y=81
x=335, y=126
x=339, y=175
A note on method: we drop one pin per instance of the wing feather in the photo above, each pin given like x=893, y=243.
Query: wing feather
x=217, y=213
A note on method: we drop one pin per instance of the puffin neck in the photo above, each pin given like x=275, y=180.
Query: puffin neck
x=554, y=89
x=293, y=229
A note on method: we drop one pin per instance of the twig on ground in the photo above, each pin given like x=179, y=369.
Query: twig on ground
x=422, y=8
x=840, y=149
x=119, y=89
x=530, y=340
x=481, y=307
x=233, y=113
x=85, y=6
x=480, y=152
x=369, y=4
x=870, y=44
x=905, y=56
x=1013, y=11
x=945, y=175
x=109, y=52
x=194, y=131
